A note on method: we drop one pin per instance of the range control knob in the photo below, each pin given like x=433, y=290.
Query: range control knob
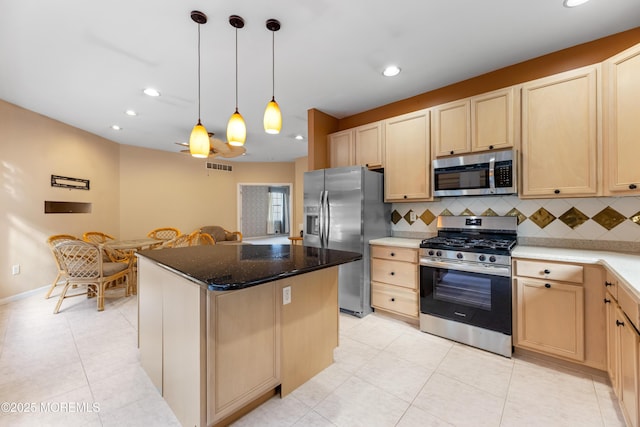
x=492, y=259
x=482, y=257
x=431, y=253
x=459, y=255
x=438, y=253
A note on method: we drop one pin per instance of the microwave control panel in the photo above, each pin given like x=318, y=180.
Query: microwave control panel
x=503, y=174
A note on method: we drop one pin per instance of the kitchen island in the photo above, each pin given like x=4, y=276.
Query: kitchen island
x=223, y=328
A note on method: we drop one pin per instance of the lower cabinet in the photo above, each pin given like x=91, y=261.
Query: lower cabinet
x=559, y=310
x=623, y=349
x=394, y=280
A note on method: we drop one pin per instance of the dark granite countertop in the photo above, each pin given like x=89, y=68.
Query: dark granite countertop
x=229, y=267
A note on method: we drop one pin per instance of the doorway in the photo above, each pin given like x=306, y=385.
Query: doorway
x=265, y=210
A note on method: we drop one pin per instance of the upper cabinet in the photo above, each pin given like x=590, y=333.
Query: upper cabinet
x=622, y=123
x=480, y=123
x=407, y=168
x=560, y=135
x=361, y=146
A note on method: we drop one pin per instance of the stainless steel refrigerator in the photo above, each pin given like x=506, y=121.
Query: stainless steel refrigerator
x=343, y=209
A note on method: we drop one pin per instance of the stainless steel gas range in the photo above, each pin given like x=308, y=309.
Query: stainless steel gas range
x=465, y=281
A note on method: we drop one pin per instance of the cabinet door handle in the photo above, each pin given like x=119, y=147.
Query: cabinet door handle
x=451, y=152
x=546, y=271
x=393, y=299
x=547, y=285
x=619, y=323
x=405, y=196
x=491, y=147
x=607, y=301
x=393, y=273
x=632, y=187
x=393, y=254
x=556, y=191
x=608, y=284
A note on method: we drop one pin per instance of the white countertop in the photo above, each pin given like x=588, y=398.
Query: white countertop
x=625, y=266
x=401, y=242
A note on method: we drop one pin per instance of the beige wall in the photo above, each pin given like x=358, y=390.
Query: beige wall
x=302, y=166
x=32, y=148
x=133, y=190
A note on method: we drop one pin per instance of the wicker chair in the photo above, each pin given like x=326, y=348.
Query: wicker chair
x=222, y=236
x=114, y=255
x=163, y=235
x=179, y=242
x=97, y=237
x=62, y=274
x=85, y=266
x=203, y=239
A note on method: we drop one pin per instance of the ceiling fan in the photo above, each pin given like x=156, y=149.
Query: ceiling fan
x=218, y=148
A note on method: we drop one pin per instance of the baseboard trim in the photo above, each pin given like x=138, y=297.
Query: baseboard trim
x=24, y=295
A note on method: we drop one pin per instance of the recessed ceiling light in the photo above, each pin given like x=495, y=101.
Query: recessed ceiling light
x=574, y=3
x=116, y=127
x=299, y=137
x=391, y=70
x=131, y=113
x=151, y=92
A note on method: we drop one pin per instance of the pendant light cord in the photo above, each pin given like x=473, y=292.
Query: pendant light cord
x=198, y=73
x=273, y=65
x=236, y=69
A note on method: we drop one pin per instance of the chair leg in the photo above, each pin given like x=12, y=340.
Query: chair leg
x=53, y=285
x=101, y=288
x=61, y=298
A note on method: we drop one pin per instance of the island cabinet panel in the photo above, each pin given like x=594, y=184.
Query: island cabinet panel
x=561, y=135
x=150, y=322
x=621, y=124
x=309, y=326
x=559, y=310
x=243, y=355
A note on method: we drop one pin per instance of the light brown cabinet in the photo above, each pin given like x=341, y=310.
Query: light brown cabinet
x=360, y=146
x=621, y=124
x=394, y=280
x=623, y=347
x=481, y=123
x=407, y=160
x=561, y=135
x=551, y=300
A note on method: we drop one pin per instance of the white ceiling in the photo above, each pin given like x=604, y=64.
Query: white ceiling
x=85, y=62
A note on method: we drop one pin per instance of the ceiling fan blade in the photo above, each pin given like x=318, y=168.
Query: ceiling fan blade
x=233, y=152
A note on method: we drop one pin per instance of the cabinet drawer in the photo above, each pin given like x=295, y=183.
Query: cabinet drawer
x=394, y=253
x=398, y=273
x=393, y=298
x=629, y=305
x=549, y=271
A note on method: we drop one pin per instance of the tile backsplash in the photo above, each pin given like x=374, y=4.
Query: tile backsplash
x=595, y=218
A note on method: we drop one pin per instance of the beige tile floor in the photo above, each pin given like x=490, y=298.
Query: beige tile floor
x=386, y=373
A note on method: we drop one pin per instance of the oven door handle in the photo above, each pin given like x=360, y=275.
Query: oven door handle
x=469, y=268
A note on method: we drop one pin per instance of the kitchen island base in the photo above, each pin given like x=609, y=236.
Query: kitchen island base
x=215, y=354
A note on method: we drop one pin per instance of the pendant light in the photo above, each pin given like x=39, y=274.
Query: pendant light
x=272, y=115
x=199, y=145
x=236, y=128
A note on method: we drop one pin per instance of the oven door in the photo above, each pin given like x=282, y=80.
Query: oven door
x=472, y=297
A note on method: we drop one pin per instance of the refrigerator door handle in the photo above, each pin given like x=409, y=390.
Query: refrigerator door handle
x=327, y=219
x=321, y=218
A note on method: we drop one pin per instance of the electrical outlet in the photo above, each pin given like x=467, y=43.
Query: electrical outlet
x=286, y=295
x=15, y=269
x=413, y=217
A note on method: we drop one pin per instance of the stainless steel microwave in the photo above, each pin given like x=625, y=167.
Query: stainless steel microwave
x=475, y=174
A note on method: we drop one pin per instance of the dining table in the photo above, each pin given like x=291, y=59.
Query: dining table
x=129, y=247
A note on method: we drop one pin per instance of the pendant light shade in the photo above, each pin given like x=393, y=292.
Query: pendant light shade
x=272, y=115
x=199, y=145
x=236, y=128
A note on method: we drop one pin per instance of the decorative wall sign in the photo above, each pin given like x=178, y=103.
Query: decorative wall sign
x=68, y=182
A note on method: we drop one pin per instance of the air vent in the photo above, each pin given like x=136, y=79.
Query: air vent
x=218, y=166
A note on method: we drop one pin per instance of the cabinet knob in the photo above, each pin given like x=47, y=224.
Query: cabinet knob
x=393, y=299
x=632, y=186
x=608, y=284
x=366, y=164
x=491, y=147
x=393, y=254
x=405, y=196
x=451, y=152
x=546, y=271
x=393, y=273
x=619, y=323
x=547, y=285
x=607, y=301
x=556, y=191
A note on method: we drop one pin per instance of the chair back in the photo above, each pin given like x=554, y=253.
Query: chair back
x=97, y=237
x=52, y=241
x=181, y=241
x=164, y=233
x=203, y=239
x=81, y=260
